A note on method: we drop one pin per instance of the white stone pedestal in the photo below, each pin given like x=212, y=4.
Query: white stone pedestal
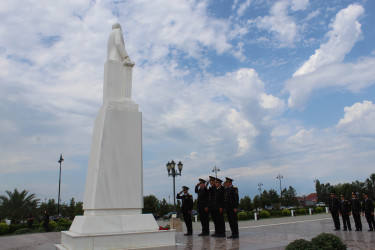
x=116, y=241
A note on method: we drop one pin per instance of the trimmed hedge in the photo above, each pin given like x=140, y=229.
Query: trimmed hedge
x=264, y=214
x=242, y=216
x=323, y=241
x=286, y=212
x=326, y=241
x=4, y=228
x=300, y=244
x=318, y=210
x=301, y=211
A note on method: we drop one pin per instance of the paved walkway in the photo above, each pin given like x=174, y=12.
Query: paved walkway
x=271, y=234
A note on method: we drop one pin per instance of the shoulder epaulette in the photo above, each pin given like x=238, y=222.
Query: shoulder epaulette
x=234, y=187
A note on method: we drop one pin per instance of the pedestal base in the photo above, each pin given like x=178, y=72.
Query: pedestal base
x=113, y=231
x=73, y=241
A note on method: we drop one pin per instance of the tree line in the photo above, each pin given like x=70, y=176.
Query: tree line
x=324, y=190
x=17, y=205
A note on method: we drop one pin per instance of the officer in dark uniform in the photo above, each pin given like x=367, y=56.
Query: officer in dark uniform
x=202, y=192
x=368, y=211
x=219, y=209
x=356, y=211
x=211, y=201
x=187, y=206
x=334, y=208
x=231, y=206
x=345, y=212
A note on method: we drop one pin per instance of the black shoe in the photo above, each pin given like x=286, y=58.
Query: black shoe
x=205, y=234
x=337, y=229
x=236, y=236
x=350, y=229
x=370, y=230
x=344, y=229
x=230, y=237
x=213, y=235
x=188, y=234
x=356, y=230
x=220, y=235
x=200, y=234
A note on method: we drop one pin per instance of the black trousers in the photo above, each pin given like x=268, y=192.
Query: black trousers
x=220, y=223
x=370, y=220
x=336, y=219
x=233, y=222
x=203, y=215
x=213, y=217
x=357, y=220
x=346, y=221
x=188, y=222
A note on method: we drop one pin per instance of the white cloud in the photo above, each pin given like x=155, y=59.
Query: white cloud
x=299, y=4
x=242, y=7
x=350, y=76
x=280, y=24
x=359, y=119
x=346, y=31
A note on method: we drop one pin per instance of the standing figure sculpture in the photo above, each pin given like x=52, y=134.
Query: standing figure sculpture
x=116, y=45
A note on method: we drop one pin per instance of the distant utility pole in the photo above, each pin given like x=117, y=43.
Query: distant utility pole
x=216, y=169
x=280, y=177
x=260, y=188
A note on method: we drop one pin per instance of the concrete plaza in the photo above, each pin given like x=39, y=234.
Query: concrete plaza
x=262, y=234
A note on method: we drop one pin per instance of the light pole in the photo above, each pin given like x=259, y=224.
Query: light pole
x=173, y=172
x=216, y=169
x=280, y=177
x=260, y=188
x=58, y=202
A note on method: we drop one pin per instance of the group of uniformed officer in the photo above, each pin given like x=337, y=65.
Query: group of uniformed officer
x=354, y=207
x=213, y=200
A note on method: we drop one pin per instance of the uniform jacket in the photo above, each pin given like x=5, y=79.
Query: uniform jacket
x=345, y=207
x=367, y=206
x=231, y=198
x=334, y=205
x=211, y=197
x=355, y=206
x=202, y=196
x=219, y=200
x=187, y=202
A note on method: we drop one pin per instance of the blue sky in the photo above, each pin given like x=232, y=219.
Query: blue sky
x=255, y=87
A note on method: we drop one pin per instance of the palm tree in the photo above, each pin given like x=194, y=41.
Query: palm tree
x=18, y=204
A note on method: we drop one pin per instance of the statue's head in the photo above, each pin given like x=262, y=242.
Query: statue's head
x=116, y=26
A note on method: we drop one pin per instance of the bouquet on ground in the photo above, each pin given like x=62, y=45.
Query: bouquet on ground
x=167, y=227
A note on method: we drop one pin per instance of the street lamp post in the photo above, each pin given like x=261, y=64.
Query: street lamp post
x=58, y=202
x=280, y=177
x=216, y=169
x=173, y=172
x=260, y=188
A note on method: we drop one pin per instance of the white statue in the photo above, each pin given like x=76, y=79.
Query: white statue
x=116, y=45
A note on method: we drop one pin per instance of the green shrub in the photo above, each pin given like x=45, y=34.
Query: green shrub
x=15, y=227
x=51, y=225
x=64, y=224
x=275, y=213
x=62, y=220
x=301, y=211
x=264, y=214
x=300, y=244
x=250, y=215
x=23, y=231
x=326, y=241
x=4, y=228
x=286, y=212
x=242, y=216
x=318, y=210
